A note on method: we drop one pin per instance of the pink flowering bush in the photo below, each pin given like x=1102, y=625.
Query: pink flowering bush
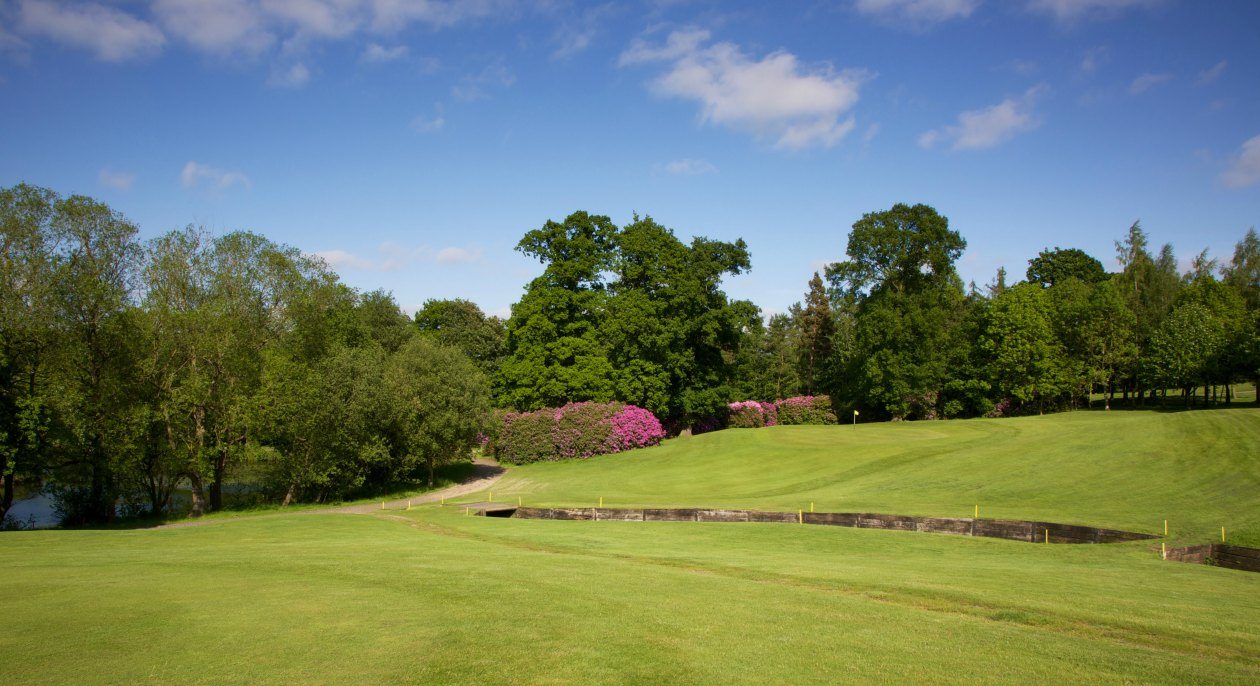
x=751, y=414
x=806, y=409
x=576, y=430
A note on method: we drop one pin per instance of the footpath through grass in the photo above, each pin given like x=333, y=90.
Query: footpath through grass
x=432, y=596
x=1123, y=469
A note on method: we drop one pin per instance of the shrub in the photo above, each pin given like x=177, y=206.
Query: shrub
x=576, y=430
x=525, y=437
x=806, y=409
x=751, y=414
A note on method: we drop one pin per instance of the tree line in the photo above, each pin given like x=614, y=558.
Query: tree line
x=193, y=362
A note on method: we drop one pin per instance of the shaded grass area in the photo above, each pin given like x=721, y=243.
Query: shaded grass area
x=434, y=596
x=1127, y=470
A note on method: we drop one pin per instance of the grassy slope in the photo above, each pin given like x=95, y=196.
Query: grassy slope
x=1130, y=470
x=432, y=596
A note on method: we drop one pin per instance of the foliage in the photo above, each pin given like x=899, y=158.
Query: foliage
x=806, y=409
x=575, y=430
x=461, y=324
x=752, y=414
x=1051, y=267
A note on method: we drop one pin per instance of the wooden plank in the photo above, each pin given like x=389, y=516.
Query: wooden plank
x=619, y=515
x=721, y=515
x=944, y=525
x=1239, y=551
x=669, y=515
x=775, y=517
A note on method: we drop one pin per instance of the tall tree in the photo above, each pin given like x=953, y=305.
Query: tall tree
x=909, y=308
x=1027, y=361
x=462, y=324
x=1050, y=267
x=817, y=328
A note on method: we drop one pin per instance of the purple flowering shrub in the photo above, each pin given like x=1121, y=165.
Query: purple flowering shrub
x=751, y=414
x=806, y=409
x=576, y=430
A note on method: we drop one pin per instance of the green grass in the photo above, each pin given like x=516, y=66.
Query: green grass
x=434, y=596
x=1130, y=470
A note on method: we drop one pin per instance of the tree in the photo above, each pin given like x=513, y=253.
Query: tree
x=909, y=309
x=460, y=323
x=29, y=243
x=1050, y=267
x=817, y=328
x=1026, y=360
x=1183, y=347
x=766, y=365
x=1149, y=285
x=440, y=404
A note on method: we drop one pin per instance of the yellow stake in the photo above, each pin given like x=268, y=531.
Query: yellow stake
x=800, y=516
x=442, y=503
x=382, y=504
x=409, y=506
x=601, y=501
x=491, y=496
x=1222, y=534
x=518, y=501
x=811, y=507
x=1163, y=550
x=1165, y=528
x=1047, y=535
x=977, y=512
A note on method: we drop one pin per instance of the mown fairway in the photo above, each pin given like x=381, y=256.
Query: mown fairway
x=435, y=596
x=1131, y=470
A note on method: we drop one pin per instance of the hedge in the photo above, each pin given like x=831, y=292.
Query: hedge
x=576, y=430
x=751, y=414
x=802, y=409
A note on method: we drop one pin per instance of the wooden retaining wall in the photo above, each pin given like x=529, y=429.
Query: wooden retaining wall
x=1219, y=554
x=1016, y=530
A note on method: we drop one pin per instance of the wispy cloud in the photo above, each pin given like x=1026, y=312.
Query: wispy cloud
x=423, y=124
x=391, y=257
x=1074, y=10
x=1244, y=168
x=1094, y=58
x=477, y=86
x=991, y=126
x=196, y=174
x=577, y=34
x=118, y=180
x=113, y=35
x=689, y=167
x=377, y=53
x=1146, y=82
x=1211, y=74
x=916, y=14
x=773, y=97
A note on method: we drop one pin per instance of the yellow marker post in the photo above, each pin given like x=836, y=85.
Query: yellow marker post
x=855, y=414
x=1047, y=536
x=800, y=516
x=1222, y=534
x=811, y=507
x=1163, y=550
x=518, y=501
x=1165, y=528
x=442, y=502
x=382, y=504
x=409, y=506
x=491, y=496
x=601, y=501
x=977, y=512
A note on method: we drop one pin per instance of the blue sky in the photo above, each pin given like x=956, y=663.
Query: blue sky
x=412, y=143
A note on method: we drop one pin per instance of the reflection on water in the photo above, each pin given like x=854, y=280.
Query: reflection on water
x=39, y=511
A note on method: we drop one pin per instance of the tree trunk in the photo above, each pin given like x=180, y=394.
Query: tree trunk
x=288, y=496
x=431, y=473
x=6, y=498
x=1111, y=393
x=198, y=494
x=216, y=480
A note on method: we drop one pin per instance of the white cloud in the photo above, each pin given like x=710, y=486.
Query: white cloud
x=432, y=124
x=195, y=173
x=577, y=35
x=1146, y=82
x=985, y=128
x=1213, y=73
x=394, y=256
x=295, y=75
x=1072, y=10
x=220, y=27
x=871, y=132
x=1244, y=170
x=456, y=255
x=117, y=180
x=375, y=52
x=474, y=86
x=112, y=34
x=916, y=14
x=690, y=167
x=774, y=97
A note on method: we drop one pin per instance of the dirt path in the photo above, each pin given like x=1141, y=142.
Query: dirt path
x=485, y=473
